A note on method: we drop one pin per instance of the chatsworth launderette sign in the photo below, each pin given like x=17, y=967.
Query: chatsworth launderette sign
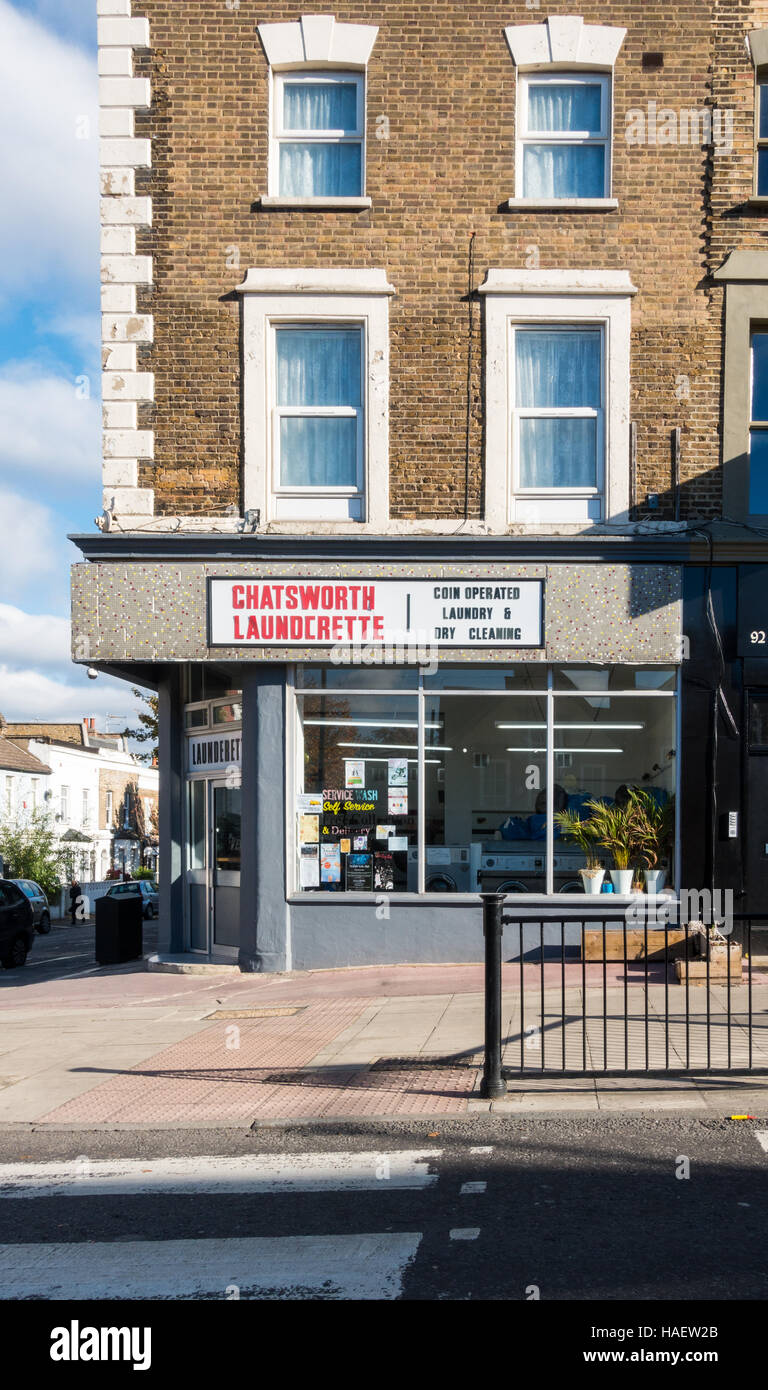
x=334, y=612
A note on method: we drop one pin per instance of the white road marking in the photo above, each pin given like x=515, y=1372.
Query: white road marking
x=334, y=1267
x=467, y=1188
x=465, y=1233
x=761, y=1136
x=482, y=1149
x=331, y=1172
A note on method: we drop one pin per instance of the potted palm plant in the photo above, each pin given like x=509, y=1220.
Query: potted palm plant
x=614, y=829
x=582, y=833
x=654, y=829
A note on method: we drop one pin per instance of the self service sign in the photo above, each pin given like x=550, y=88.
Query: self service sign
x=327, y=613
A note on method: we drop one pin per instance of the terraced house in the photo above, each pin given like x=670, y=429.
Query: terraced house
x=435, y=454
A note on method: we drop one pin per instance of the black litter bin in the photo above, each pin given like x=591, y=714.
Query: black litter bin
x=119, y=929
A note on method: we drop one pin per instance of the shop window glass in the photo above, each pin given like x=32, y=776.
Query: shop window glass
x=530, y=676
x=196, y=718
x=597, y=678
x=360, y=759
x=228, y=714
x=357, y=677
x=484, y=774
x=196, y=839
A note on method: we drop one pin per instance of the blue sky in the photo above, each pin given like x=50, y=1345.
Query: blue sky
x=50, y=452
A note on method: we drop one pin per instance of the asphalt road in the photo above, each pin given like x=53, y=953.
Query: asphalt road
x=563, y=1208
x=65, y=952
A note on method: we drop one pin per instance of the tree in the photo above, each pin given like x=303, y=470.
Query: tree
x=149, y=730
x=30, y=850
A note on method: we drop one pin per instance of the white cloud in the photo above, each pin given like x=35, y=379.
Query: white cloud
x=33, y=637
x=48, y=104
x=29, y=695
x=29, y=542
x=49, y=427
x=82, y=330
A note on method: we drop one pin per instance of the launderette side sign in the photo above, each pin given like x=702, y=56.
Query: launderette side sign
x=325, y=612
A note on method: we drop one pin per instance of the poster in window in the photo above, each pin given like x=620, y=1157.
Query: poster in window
x=354, y=772
x=330, y=864
x=383, y=873
x=359, y=842
x=359, y=873
x=309, y=830
x=309, y=803
x=310, y=866
x=397, y=803
x=397, y=772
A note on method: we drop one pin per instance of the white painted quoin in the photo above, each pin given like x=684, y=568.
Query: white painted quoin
x=121, y=95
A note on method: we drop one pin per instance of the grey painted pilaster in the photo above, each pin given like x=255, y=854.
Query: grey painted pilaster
x=171, y=808
x=263, y=907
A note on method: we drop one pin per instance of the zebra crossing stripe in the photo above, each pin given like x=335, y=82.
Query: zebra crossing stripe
x=256, y=1173
x=282, y=1267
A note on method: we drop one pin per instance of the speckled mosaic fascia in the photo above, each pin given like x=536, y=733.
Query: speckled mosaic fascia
x=604, y=613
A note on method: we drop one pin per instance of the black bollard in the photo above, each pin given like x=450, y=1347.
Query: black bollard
x=492, y=1085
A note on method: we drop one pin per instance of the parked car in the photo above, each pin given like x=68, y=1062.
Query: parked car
x=147, y=891
x=17, y=929
x=40, y=909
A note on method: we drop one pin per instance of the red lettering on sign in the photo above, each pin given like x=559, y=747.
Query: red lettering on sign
x=237, y=596
x=369, y=596
x=253, y=629
x=238, y=633
x=323, y=629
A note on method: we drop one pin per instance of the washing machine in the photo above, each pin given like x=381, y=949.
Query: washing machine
x=448, y=869
x=513, y=871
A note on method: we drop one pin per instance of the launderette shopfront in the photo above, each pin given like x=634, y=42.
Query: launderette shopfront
x=346, y=804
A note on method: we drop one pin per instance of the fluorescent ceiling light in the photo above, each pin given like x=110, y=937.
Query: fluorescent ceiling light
x=408, y=747
x=595, y=727
x=333, y=722
x=565, y=750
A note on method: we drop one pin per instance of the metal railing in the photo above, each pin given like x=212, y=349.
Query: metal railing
x=590, y=994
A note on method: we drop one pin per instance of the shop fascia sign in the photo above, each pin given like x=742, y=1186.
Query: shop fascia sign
x=323, y=612
x=214, y=752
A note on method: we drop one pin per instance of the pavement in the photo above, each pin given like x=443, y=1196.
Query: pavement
x=83, y=1046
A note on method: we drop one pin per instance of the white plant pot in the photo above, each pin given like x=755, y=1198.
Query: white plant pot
x=592, y=879
x=622, y=880
x=655, y=880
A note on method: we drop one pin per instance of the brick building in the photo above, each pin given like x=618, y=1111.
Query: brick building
x=432, y=469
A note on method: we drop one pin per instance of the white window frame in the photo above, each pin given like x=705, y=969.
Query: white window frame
x=277, y=297
x=556, y=298
x=526, y=136
x=282, y=136
x=519, y=413
x=109, y=808
x=280, y=412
